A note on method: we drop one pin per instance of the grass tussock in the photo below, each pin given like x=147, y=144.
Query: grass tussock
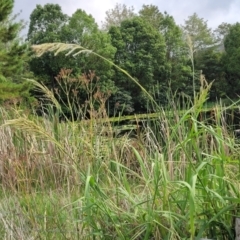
x=66, y=177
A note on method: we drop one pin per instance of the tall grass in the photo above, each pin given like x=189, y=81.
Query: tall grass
x=176, y=178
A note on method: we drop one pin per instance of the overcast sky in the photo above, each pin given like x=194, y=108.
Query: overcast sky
x=214, y=11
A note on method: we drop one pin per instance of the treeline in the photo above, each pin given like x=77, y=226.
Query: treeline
x=165, y=58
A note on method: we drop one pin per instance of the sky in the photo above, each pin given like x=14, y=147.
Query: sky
x=214, y=11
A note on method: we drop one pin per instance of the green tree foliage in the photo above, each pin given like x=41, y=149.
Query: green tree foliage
x=197, y=34
x=46, y=24
x=176, y=55
x=115, y=16
x=222, y=31
x=151, y=47
x=13, y=55
x=80, y=28
x=210, y=63
x=152, y=15
x=83, y=30
x=141, y=52
x=231, y=59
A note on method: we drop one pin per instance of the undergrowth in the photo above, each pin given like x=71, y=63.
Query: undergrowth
x=174, y=177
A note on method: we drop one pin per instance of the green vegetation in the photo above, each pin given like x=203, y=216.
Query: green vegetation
x=13, y=59
x=81, y=29
x=165, y=58
x=231, y=59
x=71, y=168
x=178, y=178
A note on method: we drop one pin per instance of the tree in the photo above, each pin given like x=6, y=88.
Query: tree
x=222, y=31
x=197, y=32
x=176, y=56
x=141, y=52
x=165, y=24
x=115, y=16
x=13, y=55
x=152, y=15
x=79, y=29
x=46, y=24
x=231, y=59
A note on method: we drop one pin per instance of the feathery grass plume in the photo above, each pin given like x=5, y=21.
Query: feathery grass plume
x=202, y=96
x=47, y=93
x=28, y=126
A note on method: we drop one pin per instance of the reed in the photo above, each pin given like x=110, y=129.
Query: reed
x=175, y=178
